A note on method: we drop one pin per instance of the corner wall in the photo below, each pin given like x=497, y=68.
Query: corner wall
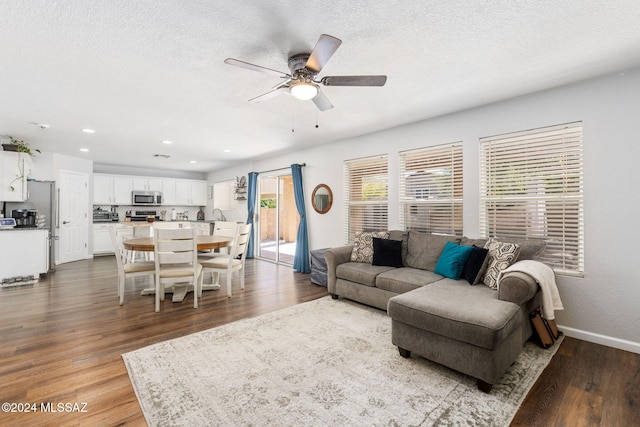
x=604, y=305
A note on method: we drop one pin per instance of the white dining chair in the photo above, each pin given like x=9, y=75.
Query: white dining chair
x=176, y=261
x=234, y=260
x=128, y=269
x=224, y=229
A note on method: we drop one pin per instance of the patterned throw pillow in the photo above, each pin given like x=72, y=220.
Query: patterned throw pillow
x=501, y=255
x=363, y=245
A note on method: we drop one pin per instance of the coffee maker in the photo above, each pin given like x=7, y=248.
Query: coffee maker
x=24, y=217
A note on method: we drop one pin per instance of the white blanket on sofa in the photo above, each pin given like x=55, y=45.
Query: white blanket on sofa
x=544, y=275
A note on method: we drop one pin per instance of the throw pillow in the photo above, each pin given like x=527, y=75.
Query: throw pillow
x=363, y=245
x=452, y=260
x=387, y=252
x=476, y=265
x=501, y=256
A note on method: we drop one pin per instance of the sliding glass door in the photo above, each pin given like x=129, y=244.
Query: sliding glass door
x=278, y=218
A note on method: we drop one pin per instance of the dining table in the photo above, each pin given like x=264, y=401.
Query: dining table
x=203, y=242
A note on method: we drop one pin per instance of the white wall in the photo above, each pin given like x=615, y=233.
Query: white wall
x=602, y=307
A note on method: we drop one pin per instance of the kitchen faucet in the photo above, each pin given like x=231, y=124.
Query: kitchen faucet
x=222, y=218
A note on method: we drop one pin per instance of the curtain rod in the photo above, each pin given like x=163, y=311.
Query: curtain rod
x=279, y=169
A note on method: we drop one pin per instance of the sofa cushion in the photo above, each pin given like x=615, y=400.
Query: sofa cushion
x=501, y=255
x=387, y=252
x=405, y=279
x=451, y=308
x=452, y=260
x=363, y=245
x=465, y=241
x=529, y=248
x=476, y=265
x=362, y=273
x=424, y=249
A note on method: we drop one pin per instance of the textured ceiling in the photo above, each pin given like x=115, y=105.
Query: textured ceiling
x=139, y=72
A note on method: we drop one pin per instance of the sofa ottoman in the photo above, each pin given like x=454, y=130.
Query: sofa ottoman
x=444, y=323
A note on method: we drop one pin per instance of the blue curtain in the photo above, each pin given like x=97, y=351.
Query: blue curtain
x=252, y=192
x=301, y=258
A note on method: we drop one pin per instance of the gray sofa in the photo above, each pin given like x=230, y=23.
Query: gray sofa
x=473, y=329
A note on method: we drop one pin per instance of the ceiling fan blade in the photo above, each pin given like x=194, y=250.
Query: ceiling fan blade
x=283, y=84
x=322, y=102
x=354, y=80
x=322, y=52
x=249, y=66
x=269, y=95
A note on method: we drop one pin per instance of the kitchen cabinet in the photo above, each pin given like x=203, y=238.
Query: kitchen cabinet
x=102, y=239
x=112, y=189
x=191, y=192
x=15, y=168
x=169, y=192
x=141, y=183
x=23, y=253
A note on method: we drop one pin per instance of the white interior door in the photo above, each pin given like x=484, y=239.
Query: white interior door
x=74, y=218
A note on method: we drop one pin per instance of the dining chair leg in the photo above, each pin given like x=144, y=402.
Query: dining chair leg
x=121, y=280
x=157, y=295
x=241, y=273
x=229, y=277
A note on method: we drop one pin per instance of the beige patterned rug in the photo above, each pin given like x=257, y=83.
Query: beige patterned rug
x=321, y=363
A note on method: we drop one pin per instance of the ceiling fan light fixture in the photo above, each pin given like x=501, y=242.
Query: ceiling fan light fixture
x=304, y=90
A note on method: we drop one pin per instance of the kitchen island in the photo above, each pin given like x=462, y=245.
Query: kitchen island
x=24, y=255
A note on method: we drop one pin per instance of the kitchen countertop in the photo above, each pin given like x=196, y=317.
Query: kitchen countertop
x=138, y=223
x=22, y=229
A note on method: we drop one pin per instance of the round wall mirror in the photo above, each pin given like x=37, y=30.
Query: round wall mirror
x=322, y=198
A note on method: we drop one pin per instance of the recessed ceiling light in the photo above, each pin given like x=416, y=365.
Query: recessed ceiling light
x=193, y=162
x=166, y=141
x=226, y=150
x=87, y=130
x=84, y=150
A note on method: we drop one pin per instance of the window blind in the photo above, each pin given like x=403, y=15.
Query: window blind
x=531, y=186
x=366, y=195
x=430, y=188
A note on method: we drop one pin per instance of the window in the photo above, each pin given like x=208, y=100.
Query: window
x=366, y=188
x=531, y=186
x=431, y=189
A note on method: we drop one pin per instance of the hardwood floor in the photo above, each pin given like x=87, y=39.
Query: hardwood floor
x=61, y=341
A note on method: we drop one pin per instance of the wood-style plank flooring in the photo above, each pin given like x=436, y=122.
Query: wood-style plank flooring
x=61, y=341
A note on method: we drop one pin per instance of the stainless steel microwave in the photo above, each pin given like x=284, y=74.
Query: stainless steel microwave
x=151, y=198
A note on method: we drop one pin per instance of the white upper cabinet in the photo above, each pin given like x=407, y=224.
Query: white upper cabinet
x=141, y=183
x=15, y=168
x=116, y=189
x=168, y=191
x=191, y=192
x=112, y=189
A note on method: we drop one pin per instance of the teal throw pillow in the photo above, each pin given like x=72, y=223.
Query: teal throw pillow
x=452, y=260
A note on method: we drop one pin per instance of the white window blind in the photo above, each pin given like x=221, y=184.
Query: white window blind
x=430, y=188
x=531, y=186
x=366, y=201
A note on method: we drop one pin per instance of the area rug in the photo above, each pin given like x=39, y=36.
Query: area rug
x=321, y=363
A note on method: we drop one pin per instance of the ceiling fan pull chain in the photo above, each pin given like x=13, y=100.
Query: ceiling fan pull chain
x=293, y=121
x=317, y=126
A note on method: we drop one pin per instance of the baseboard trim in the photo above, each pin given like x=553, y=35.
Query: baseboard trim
x=618, y=343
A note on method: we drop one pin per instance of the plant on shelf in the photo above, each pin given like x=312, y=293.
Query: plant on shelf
x=19, y=146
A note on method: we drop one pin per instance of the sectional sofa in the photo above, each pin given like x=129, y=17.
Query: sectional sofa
x=471, y=328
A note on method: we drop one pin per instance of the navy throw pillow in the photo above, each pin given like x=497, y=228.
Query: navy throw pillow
x=387, y=252
x=476, y=265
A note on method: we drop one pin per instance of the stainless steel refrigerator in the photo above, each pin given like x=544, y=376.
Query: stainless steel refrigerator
x=42, y=196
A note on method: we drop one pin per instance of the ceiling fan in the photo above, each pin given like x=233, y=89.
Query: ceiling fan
x=302, y=80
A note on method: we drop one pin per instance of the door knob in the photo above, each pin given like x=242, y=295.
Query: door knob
x=66, y=222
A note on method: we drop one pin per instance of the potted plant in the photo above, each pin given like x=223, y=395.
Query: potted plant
x=19, y=146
